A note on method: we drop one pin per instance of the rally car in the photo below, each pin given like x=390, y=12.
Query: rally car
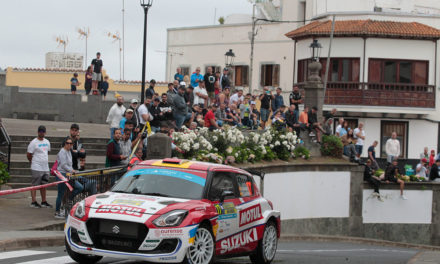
x=175, y=211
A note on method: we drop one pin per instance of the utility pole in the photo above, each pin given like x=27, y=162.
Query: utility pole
x=123, y=39
x=171, y=53
x=254, y=21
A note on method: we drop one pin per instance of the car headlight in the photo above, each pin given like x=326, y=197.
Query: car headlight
x=80, y=211
x=173, y=218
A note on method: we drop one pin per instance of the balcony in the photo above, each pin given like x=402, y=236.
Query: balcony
x=380, y=94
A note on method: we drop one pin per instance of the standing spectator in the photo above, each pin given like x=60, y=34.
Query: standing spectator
x=265, y=99
x=157, y=114
x=359, y=135
x=178, y=76
x=338, y=131
x=392, y=147
x=38, y=155
x=196, y=77
x=391, y=175
x=421, y=169
x=144, y=114
x=209, y=79
x=115, y=115
x=278, y=100
x=104, y=87
x=372, y=155
x=88, y=80
x=245, y=110
x=77, y=150
x=425, y=153
x=150, y=90
x=172, y=91
x=296, y=98
x=201, y=95
x=237, y=98
x=432, y=158
x=135, y=119
x=217, y=89
x=97, y=72
x=371, y=179
x=210, y=121
x=223, y=97
x=435, y=171
x=176, y=85
x=64, y=159
x=74, y=83
x=180, y=108
x=224, y=79
x=125, y=145
x=189, y=96
x=255, y=116
x=127, y=116
x=167, y=110
x=114, y=155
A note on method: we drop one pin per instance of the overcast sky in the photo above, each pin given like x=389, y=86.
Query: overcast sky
x=29, y=29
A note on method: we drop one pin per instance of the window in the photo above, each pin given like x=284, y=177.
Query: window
x=241, y=75
x=245, y=186
x=387, y=128
x=398, y=71
x=341, y=69
x=221, y=182
x=270, y=75
x=214, y=69
x=185, y=71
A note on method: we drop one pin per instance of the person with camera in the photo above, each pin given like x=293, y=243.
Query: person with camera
x=210, y=80
x=196, y=78
x=64, y=161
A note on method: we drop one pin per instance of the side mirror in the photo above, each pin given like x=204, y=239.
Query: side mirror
x=225, y=194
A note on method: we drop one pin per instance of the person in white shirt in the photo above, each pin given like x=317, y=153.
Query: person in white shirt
x=237, y=98
x=115, y=115
x=392, y=147
x=200, y=95
x=339, y=127
x=359, y=135
x=38, y=156
x=421, y=169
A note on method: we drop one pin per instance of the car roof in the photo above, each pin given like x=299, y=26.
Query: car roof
x=189, y=164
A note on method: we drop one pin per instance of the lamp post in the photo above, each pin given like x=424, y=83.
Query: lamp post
x=315, y=50
x=145, y=4
x=229, y=58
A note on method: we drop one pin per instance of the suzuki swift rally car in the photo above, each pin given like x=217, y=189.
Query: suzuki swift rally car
x=175, y=211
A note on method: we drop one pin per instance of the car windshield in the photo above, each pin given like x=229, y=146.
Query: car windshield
x=162, y=182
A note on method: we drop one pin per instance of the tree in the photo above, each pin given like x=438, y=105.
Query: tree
x=221, y=20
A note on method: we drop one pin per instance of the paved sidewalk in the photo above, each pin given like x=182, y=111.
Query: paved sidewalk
x=426, y=257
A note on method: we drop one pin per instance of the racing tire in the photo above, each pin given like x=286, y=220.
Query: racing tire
x=267, y=246
x=81, y=258
x=203, y=249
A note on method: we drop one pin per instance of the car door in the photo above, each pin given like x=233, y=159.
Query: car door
x=227, y=213
x=249, y=211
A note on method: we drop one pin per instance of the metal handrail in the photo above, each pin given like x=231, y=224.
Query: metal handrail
x=8, y=143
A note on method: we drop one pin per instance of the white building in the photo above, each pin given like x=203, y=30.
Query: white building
x=383, y=67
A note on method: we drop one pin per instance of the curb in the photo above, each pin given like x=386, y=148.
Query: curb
x=370, y=241
x=22, y=243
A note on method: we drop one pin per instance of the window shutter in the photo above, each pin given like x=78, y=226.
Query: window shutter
x=238, y=76
x=374, y=71
x=262, y=75
x=355, y=70
x=420, y=72
x=245, y=75
x=276, y=75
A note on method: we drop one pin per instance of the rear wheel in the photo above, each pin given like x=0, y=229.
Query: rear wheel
x=203, y=249
x=81, y=258
x=267, y=247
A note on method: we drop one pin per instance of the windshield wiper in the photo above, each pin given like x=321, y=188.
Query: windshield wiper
x=156, y=194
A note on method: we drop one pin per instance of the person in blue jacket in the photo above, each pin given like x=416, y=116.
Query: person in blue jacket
x=196, y=77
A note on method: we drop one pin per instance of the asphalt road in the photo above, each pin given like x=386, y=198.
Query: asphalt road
x=291, y=252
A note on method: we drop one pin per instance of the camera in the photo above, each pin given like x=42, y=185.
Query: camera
x=144, y=134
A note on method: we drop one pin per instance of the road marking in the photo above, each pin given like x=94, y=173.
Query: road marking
x=58, y=260
x=342, y=250
x=22, y=253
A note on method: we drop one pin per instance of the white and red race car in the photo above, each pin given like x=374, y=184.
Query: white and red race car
x=175, y=211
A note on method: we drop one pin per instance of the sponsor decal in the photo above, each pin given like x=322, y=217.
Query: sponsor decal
x=168, y=258
x=128, y=202
x=120, y=209
x=168, y=232
x=238, y=240
x=226, y=209
x=192, y=235
x=74, y=223
x=129, y=196
x=250, y=215
x=150, y=244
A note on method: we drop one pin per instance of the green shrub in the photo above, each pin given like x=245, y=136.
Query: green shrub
x=301, y=152
x=331, y=146
x=4, y=174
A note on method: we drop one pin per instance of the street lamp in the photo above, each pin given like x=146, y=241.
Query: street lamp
x=145, y=4
x=229, y=58
x=315, y=50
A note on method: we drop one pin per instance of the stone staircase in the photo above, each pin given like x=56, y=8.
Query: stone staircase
x=20, y=167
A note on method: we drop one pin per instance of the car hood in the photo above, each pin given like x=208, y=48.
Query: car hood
x=132, y=207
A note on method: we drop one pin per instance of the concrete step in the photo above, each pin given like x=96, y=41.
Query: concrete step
x=54, y=151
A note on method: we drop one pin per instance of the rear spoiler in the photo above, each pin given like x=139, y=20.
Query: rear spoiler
x=258, y=173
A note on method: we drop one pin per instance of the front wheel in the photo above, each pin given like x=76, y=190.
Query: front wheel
x=81, y=258
x=267, y=247
x=203, y=249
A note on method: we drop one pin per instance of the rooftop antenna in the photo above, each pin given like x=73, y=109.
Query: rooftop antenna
x=117, y=38
x=84, y=34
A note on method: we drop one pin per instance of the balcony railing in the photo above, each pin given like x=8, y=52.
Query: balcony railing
x=380, y=94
